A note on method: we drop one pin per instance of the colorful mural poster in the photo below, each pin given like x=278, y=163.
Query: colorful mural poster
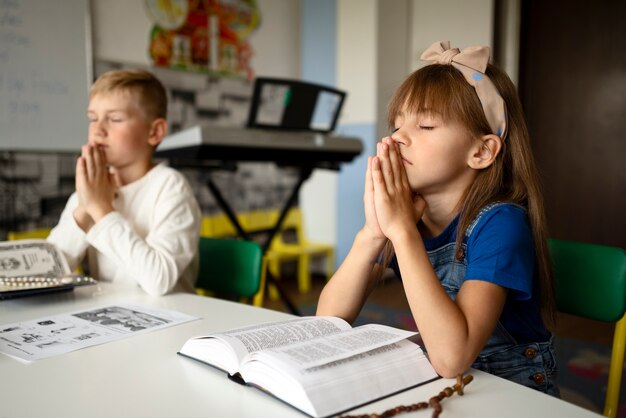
x=203, y=35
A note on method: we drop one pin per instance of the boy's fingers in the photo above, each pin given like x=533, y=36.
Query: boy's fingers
x=80, y=169
x=101, y=162
x=97, y=162
x=89, y=164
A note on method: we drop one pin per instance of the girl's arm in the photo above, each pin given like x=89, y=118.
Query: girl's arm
x=454, y=332
x=347, y=290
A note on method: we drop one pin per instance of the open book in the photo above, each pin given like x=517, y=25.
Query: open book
x=319, y=365
x=35, y=266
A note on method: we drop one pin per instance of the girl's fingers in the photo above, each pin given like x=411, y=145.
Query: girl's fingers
x=378, y=178
x=368, y=175
x=395, y=161
x=385, y=165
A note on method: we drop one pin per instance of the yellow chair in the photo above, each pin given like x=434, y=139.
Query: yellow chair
x=30, y=234
x=301, y=250
x=217, y=226
x=257, y=220
x=231, y=269
x=591, y=283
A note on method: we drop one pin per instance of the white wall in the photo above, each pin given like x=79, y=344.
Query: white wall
x=120, y=31
x=393, y=55
x=463, y=23
x=356, y=59
x=277, y=41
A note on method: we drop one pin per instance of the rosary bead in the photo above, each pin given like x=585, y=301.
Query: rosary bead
x=433, y=402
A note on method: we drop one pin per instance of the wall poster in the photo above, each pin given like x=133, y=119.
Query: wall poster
x=203, y=35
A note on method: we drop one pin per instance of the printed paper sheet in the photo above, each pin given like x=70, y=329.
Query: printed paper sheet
x=60, y=334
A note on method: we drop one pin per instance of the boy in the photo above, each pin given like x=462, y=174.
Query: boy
x=137, y=221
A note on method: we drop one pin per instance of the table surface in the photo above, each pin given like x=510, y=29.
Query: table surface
x=142, y=376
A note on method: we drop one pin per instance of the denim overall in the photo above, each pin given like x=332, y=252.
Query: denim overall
x=531, y=364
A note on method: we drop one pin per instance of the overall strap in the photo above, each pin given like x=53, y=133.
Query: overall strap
x=486, y=209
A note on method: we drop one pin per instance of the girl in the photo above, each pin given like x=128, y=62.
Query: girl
x=452, y=202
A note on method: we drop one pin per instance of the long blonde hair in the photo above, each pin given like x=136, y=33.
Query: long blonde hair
x=513, y=177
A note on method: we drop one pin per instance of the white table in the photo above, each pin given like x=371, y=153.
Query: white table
x=142, y=376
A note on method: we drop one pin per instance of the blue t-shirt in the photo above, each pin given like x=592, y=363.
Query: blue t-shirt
x=500, y=250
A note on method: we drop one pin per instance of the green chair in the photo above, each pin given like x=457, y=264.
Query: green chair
x=591, y=283
x=232, y=269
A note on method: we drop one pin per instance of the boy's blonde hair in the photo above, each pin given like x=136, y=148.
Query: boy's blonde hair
x=513, y=177
x=142, y=84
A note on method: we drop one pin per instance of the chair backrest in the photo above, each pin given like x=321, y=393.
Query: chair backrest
x=590, y=279
x=291, y=230
x=30, y=234
x=229, y=266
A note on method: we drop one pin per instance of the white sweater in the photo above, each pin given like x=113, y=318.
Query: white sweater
x=151, y=238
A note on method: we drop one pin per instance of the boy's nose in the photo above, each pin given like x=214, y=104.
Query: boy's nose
x=98, y=125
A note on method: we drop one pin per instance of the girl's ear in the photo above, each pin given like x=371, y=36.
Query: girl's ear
x=158, y=130
x=485, y=152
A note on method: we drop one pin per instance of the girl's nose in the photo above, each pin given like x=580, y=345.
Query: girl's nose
x=399, y=137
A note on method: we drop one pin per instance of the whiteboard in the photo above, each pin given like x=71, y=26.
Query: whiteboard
x=45, y=74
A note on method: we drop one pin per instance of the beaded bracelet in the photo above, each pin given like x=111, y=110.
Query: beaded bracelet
x=434, y=402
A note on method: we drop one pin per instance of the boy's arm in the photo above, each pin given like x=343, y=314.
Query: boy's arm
x=157, y=262
x=68, y=236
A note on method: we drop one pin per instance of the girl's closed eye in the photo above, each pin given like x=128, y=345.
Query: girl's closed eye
x=426, y=127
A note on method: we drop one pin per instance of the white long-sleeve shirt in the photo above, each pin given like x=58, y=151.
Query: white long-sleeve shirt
x=151, y=237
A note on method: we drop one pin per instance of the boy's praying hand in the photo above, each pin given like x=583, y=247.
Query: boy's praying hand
x=96, y=185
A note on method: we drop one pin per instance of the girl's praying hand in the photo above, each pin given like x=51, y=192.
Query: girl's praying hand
x=397, y=207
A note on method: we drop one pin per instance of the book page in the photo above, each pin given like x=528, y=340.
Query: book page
x=316, y=352
x=336, y=386
x=243, y=341
x=260, y=337
x=34, y=257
